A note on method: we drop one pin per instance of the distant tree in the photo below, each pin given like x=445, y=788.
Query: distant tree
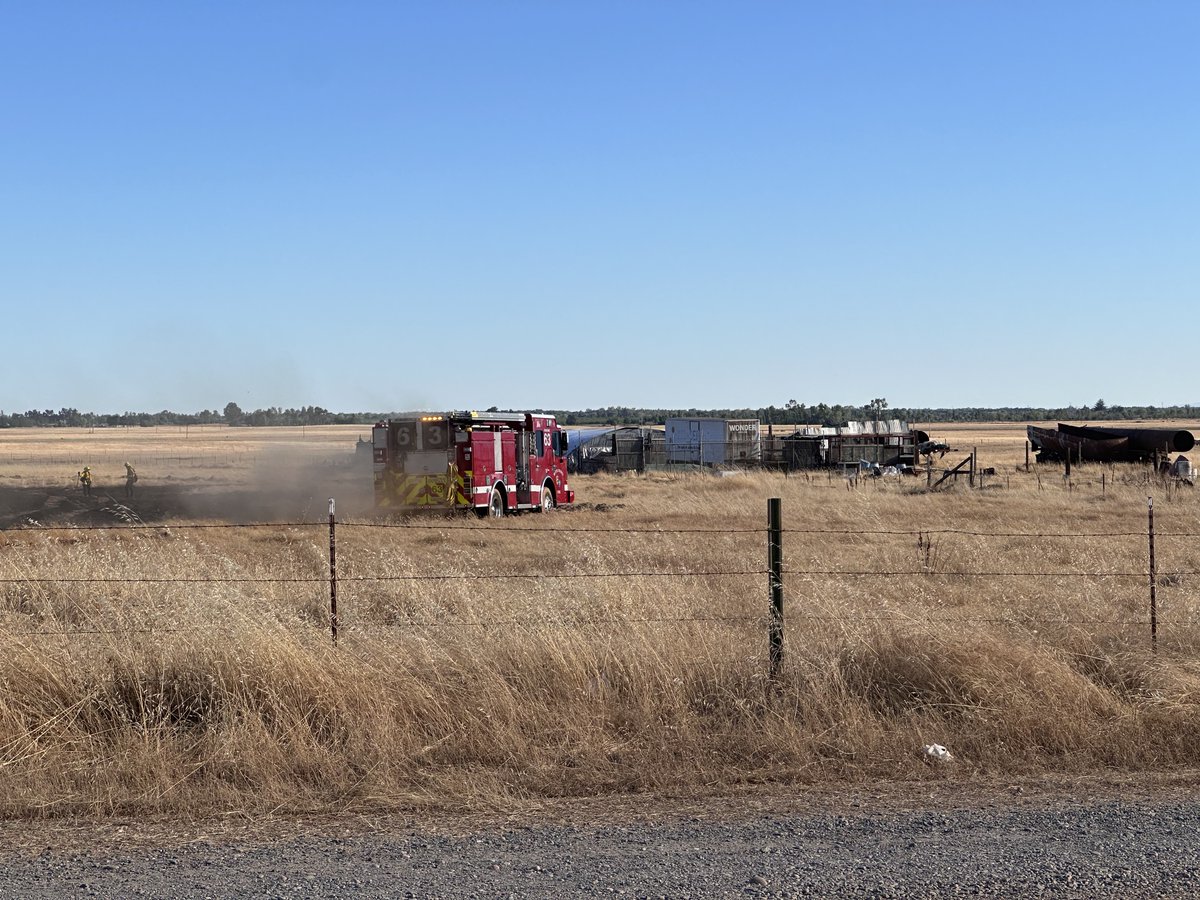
x=1100, y=406
x=233, y=413
x=877, y=406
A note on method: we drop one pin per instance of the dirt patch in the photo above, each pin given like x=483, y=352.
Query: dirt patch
x=301, y=499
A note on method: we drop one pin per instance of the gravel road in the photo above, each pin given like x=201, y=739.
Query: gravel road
x=1016, y=841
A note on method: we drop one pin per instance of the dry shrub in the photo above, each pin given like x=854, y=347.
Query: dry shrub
x=1001, y=702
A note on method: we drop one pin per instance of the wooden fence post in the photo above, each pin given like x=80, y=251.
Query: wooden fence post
x=333, y=613
x=1153, y=582
x=775, y=578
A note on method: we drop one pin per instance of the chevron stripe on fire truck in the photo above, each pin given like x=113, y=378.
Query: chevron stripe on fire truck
x=426, y=490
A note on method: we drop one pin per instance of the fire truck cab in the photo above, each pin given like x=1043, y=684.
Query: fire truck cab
x=494, y=463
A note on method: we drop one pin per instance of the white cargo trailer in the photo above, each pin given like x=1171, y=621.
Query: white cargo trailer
x=712, y=442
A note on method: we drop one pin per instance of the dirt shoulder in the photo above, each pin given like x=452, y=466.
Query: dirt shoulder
x=1084, y=837
x=34, y=836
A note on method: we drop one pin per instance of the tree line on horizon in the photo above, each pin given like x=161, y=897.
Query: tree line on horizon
x=794, y=413
x=791, y=413
x=232, y=414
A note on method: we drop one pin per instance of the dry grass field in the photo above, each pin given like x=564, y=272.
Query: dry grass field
x=163, y=655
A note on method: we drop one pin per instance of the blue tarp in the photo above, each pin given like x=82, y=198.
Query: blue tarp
x=579, y=436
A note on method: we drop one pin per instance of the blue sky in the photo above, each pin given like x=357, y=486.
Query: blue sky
x=378, y=206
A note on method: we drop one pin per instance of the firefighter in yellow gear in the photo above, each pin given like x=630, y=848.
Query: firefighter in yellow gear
x=130, y=481
x=85, y=481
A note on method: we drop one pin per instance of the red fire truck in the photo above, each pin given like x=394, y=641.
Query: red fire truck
x=494, y=463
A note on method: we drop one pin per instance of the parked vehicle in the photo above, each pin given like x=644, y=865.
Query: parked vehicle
x=494, y=463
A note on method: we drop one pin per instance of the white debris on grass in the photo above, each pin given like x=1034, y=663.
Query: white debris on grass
x=936, y=753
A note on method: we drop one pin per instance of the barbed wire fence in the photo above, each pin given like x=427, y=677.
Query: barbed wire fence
x=774, y=577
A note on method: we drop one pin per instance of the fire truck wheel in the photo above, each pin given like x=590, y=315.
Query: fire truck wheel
x=496, y=504
x=547, y=498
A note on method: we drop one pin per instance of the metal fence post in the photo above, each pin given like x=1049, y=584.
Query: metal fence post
x=333, y=613
x=1153, y=582
x=775, y=564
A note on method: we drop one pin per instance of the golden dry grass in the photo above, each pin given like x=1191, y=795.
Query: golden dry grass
x=191, y=668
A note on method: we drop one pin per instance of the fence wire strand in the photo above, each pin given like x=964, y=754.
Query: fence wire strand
x=566, y=532
x=569, y=576
x=480, y=529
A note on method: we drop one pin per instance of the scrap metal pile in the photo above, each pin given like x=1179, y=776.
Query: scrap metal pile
x=1083, y=443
